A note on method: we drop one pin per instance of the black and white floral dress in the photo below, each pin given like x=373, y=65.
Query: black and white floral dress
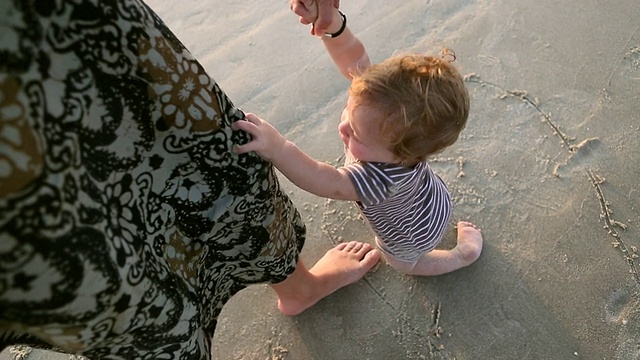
x=126, y=221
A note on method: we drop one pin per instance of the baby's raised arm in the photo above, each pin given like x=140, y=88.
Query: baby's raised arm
x=345, y=49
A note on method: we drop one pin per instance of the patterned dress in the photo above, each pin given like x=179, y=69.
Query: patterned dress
x=126, y=221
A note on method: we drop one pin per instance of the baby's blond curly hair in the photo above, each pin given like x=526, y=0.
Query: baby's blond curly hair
x=422, y=99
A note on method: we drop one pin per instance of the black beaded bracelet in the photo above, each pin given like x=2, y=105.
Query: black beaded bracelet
x=344, y=26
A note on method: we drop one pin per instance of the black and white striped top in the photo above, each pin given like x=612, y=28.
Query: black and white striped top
x=408, y=208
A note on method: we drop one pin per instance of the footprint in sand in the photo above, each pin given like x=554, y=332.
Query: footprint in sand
x=581, y=157
x=623, y=308
x=632, y=58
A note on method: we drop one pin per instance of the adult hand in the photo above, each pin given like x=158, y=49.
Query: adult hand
x=316, y=12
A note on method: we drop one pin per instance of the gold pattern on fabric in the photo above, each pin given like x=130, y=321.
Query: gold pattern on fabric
x=21, y=160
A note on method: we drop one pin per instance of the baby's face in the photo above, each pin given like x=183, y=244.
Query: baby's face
x=359, y=131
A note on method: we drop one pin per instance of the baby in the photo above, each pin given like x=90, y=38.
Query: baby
x=399, y=113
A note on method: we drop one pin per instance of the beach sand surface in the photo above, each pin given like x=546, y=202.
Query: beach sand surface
x=548, y=167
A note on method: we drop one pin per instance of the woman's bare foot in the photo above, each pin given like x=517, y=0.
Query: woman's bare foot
x=469, y=242
x=343, y=265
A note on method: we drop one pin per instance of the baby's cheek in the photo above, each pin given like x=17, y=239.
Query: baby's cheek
x=356, y=152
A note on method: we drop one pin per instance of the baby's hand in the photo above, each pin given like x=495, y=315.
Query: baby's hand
x=316, y=12
x=267, y=141
x=306, y=9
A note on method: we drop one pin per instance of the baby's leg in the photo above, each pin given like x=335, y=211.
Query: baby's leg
x=439, y=262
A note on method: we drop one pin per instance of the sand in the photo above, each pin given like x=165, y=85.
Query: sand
x=547, y=167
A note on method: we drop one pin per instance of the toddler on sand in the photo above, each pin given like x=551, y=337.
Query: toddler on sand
x=398, y=113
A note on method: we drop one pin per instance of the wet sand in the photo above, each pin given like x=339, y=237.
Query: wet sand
x=547, y=167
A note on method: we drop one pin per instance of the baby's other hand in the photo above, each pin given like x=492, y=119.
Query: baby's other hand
x=307, y=10
x=316, y=12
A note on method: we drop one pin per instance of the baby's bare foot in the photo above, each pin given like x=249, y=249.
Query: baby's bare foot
x=344, y=264
x=469, y=242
